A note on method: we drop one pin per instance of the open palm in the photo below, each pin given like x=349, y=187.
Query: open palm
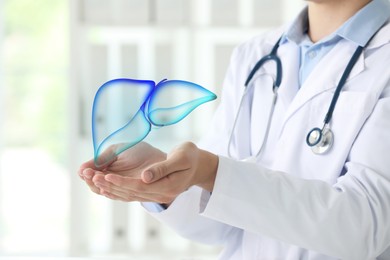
x=129, y=163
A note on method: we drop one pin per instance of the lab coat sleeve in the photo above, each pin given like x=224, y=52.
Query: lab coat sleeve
x=183, y=217
x=183, y=214
x=347, y=220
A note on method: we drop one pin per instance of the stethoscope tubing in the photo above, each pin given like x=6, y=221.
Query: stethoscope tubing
x=341, y=84
x=269, y=121
x=235, y=120
x=269, y=57
x=315, y=137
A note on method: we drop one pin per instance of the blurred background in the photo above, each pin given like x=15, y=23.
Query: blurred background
x=54, y=55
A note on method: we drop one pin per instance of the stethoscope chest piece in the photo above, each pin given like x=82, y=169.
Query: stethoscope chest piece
x=320, y=140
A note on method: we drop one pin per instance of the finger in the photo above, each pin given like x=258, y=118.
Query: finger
x=102, y=161
x=133, y=187
x=104, y=190
x=88, y=173
x=136, y=186
x=126, y=184
x=80, y=174
x=111, y=191
x=96, y=164
x=106, y=158
x=162, y=169
x=89, y=177
x=122, y=197
x=126, y=188
x=157, y=198
x=86, y=165
x=112, y=196
x=160, y=192
x=121, y=181
x=92, y=186
x=107, y=187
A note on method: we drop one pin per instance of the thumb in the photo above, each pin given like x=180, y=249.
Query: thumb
x=162, y=169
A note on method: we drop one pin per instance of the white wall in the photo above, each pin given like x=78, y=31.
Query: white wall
x=147, y=39
x=1, y=99
x=175, y=39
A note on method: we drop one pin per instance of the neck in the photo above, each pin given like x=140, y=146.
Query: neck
x=326, y=16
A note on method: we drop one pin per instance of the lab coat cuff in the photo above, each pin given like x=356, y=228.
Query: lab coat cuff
x=204, y=199
x=176, y=206
x=153, y=207
x=221, y=186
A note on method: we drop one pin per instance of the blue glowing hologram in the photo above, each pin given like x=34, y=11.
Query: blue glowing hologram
x=126, y=110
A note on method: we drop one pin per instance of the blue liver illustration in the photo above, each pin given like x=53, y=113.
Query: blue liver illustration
x=129, y=108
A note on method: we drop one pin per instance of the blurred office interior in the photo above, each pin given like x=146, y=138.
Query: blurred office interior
x=54, y=55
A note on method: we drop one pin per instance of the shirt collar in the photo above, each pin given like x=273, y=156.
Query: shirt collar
x=358, y=29
x=297, y=29
x=365, y=23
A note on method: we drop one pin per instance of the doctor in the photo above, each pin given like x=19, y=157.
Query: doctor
x=297, y=196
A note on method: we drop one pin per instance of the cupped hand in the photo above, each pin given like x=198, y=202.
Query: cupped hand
x=163, y=181
x=130, y=164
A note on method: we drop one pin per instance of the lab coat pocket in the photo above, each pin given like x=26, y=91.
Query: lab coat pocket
x=351, y=111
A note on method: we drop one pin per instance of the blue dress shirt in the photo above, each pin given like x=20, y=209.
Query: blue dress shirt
x=358, y=29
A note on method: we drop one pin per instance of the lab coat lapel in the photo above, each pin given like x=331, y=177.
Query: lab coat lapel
x=289, y=85
x=290, y=70
x=262, y=95
x=263, y=92
x=261, y=104
x=326, y=75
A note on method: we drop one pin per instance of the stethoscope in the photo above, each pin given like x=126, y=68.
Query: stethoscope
x=320, y=140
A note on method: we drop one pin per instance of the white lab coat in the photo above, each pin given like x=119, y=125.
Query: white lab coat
x=293, y=204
